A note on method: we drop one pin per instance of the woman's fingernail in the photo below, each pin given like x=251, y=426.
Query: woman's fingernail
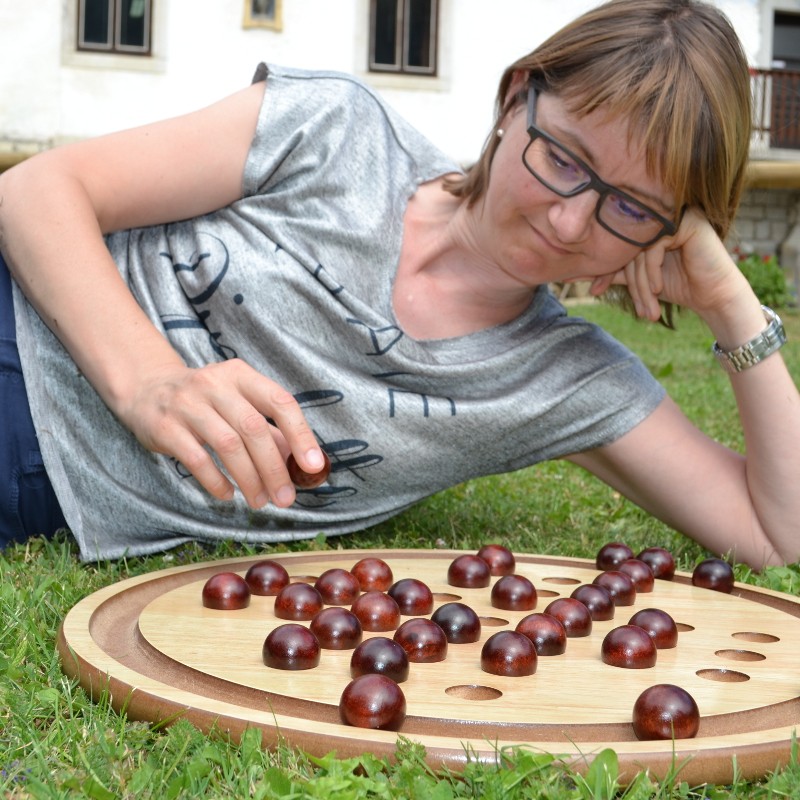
x=285, y=496
x=315, y=458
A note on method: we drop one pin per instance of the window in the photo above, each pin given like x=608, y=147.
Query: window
x=115, y=26
x=785, y=81
x=403, y=36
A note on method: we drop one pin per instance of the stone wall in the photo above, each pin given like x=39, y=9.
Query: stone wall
x=764, y=221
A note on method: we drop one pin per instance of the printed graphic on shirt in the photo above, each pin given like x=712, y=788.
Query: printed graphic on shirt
x=199, y=276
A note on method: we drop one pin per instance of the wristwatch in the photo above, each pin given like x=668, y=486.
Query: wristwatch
x=772, y=338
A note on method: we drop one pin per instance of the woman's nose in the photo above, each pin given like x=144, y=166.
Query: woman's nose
x=572, y=217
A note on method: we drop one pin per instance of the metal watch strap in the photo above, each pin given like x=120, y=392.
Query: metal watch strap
x=772, y=338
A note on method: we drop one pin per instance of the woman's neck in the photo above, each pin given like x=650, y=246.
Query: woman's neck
x=445, y=286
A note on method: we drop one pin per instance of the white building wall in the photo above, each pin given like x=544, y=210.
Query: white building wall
x=49, y=93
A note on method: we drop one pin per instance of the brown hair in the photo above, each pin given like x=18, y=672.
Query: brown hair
x=675, y=69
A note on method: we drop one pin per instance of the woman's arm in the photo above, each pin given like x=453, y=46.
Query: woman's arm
x=55, y=209
x=748, y=505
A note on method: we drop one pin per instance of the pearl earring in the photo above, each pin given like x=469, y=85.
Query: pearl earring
x=500, y=133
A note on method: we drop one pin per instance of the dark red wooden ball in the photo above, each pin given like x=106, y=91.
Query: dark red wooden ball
x=660, y=625
x=509, y=653
x=514, y=593
x=266, y=578
x=469, y=572
x=337, y=587
x=619, y=585
x=665, y=711
x=460, y=623
x=291, y=647
x=298, y=601
x=226, y=591
x=412, y=596
x=376, y=611
x=611, y=554
x=373, y=701
x=373, y=574
x=660, y=560
x=423, y=640
x=307, y=480
x=597, y=599
x=336, y=628
x=572, y=614
x=639, y=572
x=714, y=574
x=380, y=655
x=500, y=559
x=547, y=633
x=630, y=647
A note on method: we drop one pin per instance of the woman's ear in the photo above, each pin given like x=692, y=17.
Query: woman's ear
x=519, y=81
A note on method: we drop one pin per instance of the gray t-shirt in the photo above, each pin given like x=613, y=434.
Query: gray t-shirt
x=296, y=279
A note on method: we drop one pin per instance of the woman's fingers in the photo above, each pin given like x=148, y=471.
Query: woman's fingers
x=216, y=421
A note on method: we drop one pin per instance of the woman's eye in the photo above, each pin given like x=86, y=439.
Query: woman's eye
x=563, y=162
x=629, y=210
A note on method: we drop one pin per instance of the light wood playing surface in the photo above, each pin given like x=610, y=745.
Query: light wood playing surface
x=161, y=653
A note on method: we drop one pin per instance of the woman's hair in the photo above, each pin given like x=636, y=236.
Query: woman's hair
x=675, y=69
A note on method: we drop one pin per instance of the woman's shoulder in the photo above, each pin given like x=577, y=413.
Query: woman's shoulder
x=321, y=88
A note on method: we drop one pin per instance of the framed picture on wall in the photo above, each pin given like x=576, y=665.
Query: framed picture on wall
x=263, y=14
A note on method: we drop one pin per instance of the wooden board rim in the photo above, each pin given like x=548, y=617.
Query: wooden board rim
x=128, y=672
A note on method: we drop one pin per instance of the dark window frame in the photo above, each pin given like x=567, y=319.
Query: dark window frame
x=114, y=43
x=403, y=20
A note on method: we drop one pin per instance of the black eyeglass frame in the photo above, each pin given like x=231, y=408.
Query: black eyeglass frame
x=595, y=182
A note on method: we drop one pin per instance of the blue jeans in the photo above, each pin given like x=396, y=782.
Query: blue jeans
x=28, y=505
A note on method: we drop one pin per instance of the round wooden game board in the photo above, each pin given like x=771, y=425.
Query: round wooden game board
x=149, y=643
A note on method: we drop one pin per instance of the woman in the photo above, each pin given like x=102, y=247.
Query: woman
x=295, y=269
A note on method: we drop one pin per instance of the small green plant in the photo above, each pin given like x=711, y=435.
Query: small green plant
x=767, y=278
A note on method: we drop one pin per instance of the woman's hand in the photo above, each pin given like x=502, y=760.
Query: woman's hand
x=691, y=269
x=222, y=410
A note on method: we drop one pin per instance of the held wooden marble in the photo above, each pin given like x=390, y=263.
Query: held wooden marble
x=308, y=480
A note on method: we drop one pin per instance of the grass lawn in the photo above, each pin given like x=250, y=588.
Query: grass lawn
x=55, y=743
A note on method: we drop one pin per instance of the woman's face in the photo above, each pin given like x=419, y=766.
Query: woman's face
x=536, y=235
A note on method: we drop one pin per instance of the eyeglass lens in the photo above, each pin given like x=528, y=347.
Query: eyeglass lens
x=561, y=172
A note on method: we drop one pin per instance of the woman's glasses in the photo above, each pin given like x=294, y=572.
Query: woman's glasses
x=561, y=171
